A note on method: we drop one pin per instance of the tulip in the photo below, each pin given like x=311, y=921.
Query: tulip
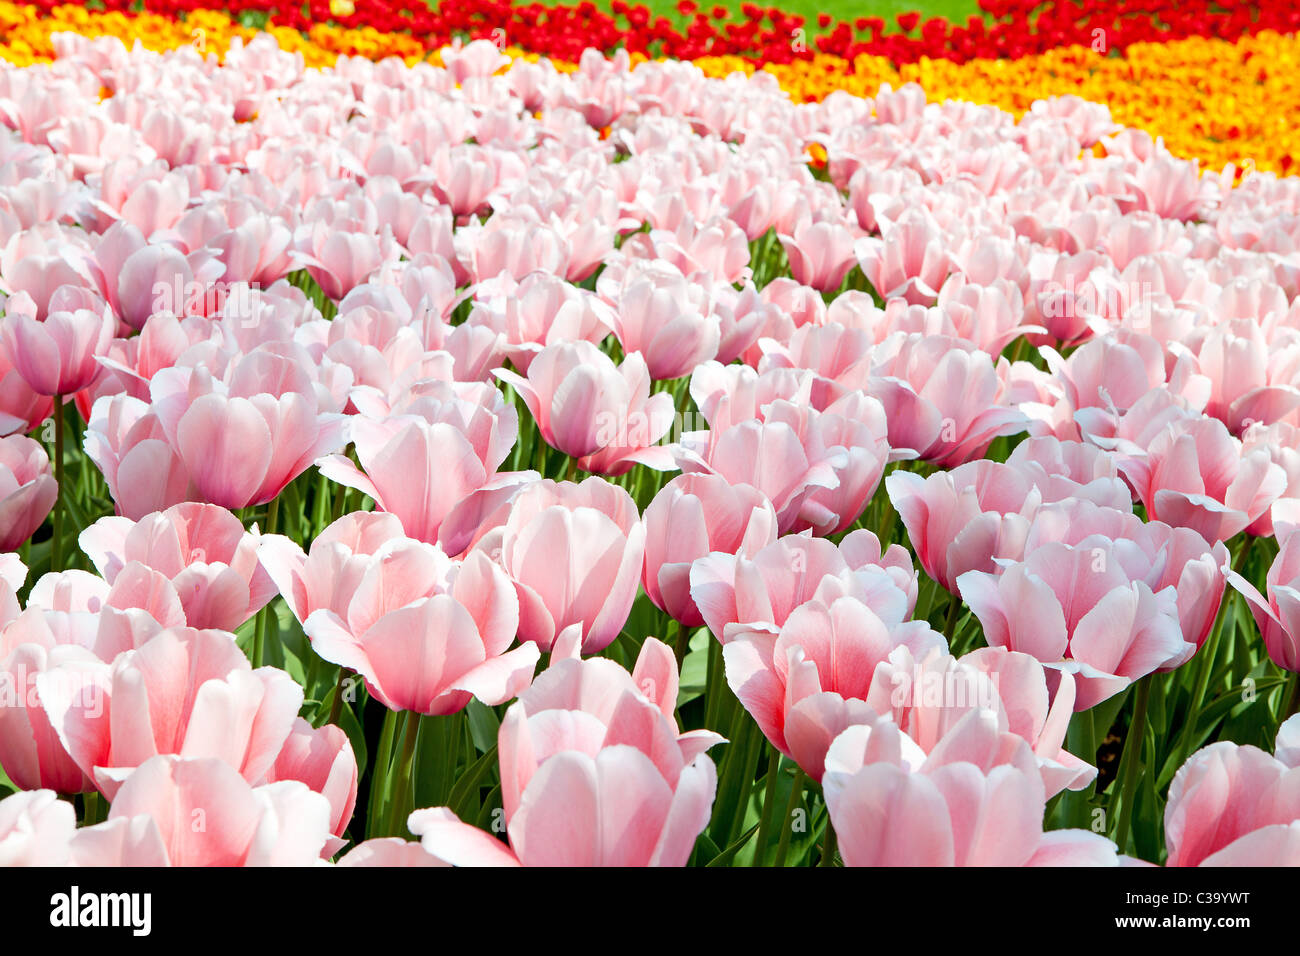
x=1196, y=475
x=198, y=811
x=27, y=490
x=35, y=829
x=327, y=576
x=56, y=356
x=593, y=773
x=594, y=411
x=185, y=692
x=690, y=517
x=575, y=554
x=892, y=808
x=1233, y=805
x=427, y=634
x=736, y=593
x=202, y=549
x=1078, y=609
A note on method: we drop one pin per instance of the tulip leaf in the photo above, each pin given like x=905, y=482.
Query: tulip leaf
x=464, y=795
x=727, y=855
x=483, y=725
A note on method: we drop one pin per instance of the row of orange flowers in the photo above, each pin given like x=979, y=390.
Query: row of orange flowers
x=1218, y=101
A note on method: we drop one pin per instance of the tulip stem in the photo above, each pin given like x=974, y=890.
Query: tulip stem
x=681, y=638
x=828, y=844
x=950, y=625
x=56, y=543
x=264, y=616
x=1207, y=653
x=401, y=793
x=769, y=798
x=1133, y=743
x=91, y=805
x=336, y=705
x=1292, y=696
x=540, y=464
x=787, y=826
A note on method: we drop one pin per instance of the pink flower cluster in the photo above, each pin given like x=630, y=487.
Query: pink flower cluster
x=498, y=303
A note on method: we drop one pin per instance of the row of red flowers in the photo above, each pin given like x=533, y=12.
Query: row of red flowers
x=1011, y=28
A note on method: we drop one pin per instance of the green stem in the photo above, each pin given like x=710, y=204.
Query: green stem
x=92, y=809
x=954, y=612
x=712, y=683
x=769, y=797
x=1131, y=758
x=1292, y=696
x=264, y=617
x=681, y=639
x=787, y=829
x=1208, y=652
x=402, y=792
x=56, y=544
x=336, y=705
x=540, y=464
x=828, y=852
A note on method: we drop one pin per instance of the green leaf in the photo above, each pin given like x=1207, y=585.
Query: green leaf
x=464, y=795
x=483, y=725
x=695, y=668
x=726, y=856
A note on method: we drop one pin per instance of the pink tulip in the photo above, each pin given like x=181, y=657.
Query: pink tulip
x=1063, y=470
x=662, y=314
x=478, y=58
x=323, y=759
x=1278, y=613
x=736, y=593
x=327, y=576
x=594, y=411
x=126, y=441
x=56, y=356
x=575, y=554
x=389, y=851
x=340, y=259
x=786, y=459
x=30, y=750
x=692, y=516
x=1152, y=551
x=202, y=549
x=927, y=695
x=820, y=254
x=895, y=808
x=593, y=773
x=943, y=398
x=810, y=681
x=1196, y=475
x=540, y=310
x=244, y=441
x=198, y=811
x=963, y=520
x=1233, y=805
x=186, y=692
x=426, y=633
x=35, y=829
x=21, y=408
x=908, y=261
x=852, y=429
x=1282, y=441
x=27, y=490
x=418, y=471
x=1079, y=609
